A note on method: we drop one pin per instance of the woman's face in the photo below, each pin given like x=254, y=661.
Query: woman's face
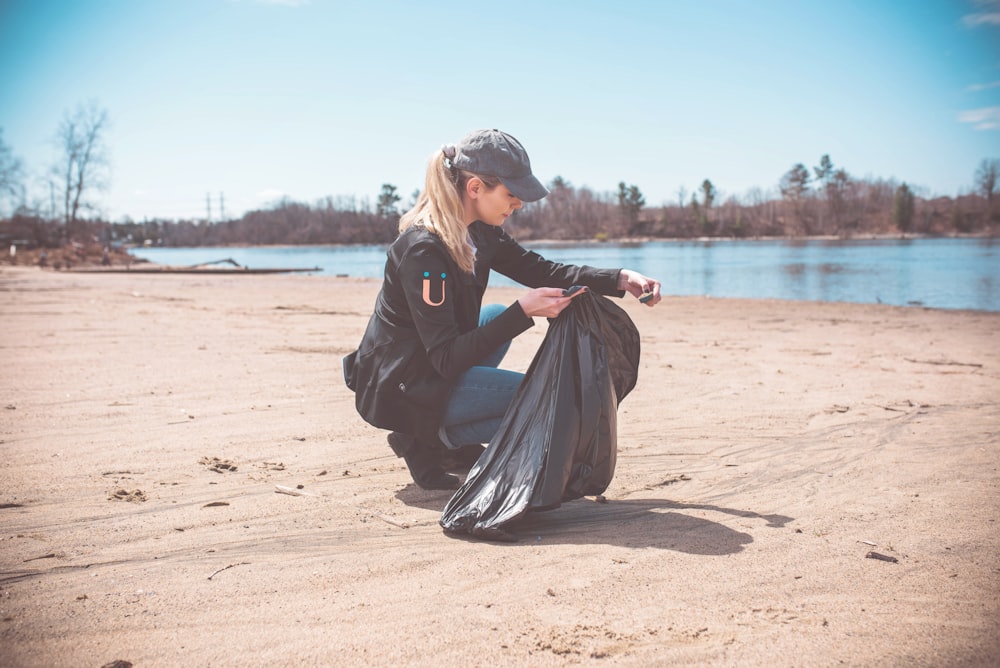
x=492, y=206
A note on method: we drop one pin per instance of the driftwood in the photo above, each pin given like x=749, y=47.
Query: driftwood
x=198, y=269
x=224, y=568
x=291, y=491
x=943, y=362
x=882, y=557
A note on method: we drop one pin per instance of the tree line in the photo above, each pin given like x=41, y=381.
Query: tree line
x=824, y=200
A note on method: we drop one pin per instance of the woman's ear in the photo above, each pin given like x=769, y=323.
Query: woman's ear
x=474, y=187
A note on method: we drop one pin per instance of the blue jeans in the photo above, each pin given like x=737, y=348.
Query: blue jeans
x=480, y=398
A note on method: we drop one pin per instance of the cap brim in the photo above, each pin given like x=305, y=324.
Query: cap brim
x=526, y=188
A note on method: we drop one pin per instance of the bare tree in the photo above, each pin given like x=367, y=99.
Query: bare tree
x=837, y=189
x=84, y=162
x=557, y=209
x=11, y=174
x=824, y=172
x=986, y=178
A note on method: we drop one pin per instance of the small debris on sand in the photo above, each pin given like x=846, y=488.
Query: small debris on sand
x=882, y=557
x=217, y=465
x=135, y=496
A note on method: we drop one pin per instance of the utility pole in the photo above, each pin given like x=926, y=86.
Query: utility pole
x=208, y=207
x=222, y=207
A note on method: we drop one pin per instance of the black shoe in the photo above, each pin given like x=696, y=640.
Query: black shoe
x=462, y=459
x=423, y=461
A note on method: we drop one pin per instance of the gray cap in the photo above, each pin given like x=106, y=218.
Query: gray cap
x=495, y=153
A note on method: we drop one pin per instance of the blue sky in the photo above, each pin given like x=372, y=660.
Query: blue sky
x=261, y=99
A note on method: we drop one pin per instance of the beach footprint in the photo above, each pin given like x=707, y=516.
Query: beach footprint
x=135, y=496
x=218, y=465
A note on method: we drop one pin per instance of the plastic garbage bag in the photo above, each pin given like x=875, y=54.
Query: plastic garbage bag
x=558, y=439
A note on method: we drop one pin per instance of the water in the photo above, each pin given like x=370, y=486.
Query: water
x=937, y=273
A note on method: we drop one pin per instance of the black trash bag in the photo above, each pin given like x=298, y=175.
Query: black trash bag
x=558, y=439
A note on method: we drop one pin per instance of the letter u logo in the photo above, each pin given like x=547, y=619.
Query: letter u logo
x=427, y=289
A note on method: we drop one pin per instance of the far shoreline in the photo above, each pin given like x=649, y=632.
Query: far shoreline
x=626, y=241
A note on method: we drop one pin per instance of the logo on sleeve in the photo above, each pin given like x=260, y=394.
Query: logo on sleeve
x=427, y=289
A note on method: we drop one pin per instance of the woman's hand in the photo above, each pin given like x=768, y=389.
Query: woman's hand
x=547, y=302
x=639, y=286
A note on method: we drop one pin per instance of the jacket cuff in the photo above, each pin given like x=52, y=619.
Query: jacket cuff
x=615, y=290
x=512, y=322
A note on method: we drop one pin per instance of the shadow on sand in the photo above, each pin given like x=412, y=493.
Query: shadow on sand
x=660, y=523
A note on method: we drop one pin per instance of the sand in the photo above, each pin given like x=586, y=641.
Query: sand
x=770, y=450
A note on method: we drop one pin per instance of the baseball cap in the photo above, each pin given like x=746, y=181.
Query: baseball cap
x=496, y=153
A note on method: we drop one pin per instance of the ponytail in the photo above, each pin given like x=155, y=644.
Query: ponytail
x=439, y=208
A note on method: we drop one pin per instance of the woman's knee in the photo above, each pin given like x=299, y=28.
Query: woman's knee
x=489, y=312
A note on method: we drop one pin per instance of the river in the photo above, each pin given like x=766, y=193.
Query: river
x=952, y=273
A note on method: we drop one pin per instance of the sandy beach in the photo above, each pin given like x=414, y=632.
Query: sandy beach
x=185, y=482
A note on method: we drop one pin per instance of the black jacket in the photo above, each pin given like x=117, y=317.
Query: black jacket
x=425, y=330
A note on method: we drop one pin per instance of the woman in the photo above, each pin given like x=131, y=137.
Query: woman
x=426, y=368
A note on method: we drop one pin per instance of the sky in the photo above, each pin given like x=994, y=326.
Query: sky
x=240, y=103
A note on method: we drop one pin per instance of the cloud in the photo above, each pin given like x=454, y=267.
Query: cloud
x=981, y=18
x=975, y=88
x=988, y=14
x=987, y=118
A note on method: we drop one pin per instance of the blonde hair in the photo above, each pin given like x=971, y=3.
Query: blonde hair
x=440, y=210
